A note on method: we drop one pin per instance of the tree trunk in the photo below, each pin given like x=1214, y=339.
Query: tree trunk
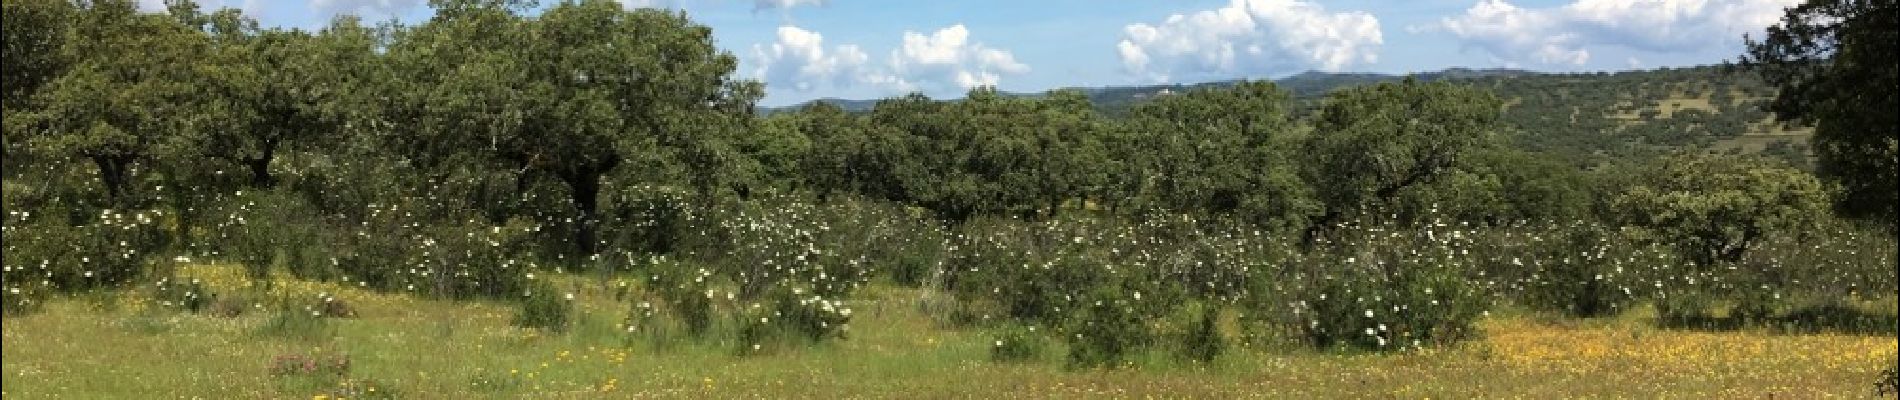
x=260, y=172
x=260, y=166
x=113, y=172
x=586, y=190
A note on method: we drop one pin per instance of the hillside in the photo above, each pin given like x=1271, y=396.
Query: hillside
x=1584, y=117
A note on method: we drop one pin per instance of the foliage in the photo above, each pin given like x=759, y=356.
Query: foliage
x=127, y=96
x=109, y=249
x=1019, y=343
x=188, y=294
x=1889, y=382
x=571, y=106
x=993, y=155
x=1203, y=341
x=1106, y=329
x=1220, y=151
x=541, y=306
x=1714, y=209
x=1372, y=142
x=1831, y=61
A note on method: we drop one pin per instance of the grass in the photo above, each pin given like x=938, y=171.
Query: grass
x=439, y=349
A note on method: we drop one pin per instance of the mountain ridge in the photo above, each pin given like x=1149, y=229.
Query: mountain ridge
x=1312, y=83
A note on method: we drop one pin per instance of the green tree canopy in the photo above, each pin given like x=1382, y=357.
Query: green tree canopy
x=1370, y=143
x=571, y=94
x=128, y=95
x=1716, y=208
x=1836, y=65
x=272, y=89
x=1220, y=150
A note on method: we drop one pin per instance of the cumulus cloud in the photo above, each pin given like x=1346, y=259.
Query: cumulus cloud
x=800, y=61
x=948, y=56
x=653, y=3
x=365, y=8
x=248, y=6
x=1566, y=34
x=1250, y=37
x=943, y=62
x=759, y=5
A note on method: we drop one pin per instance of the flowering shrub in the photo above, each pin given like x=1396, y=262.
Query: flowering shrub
x=1107, y=328
x=187, y=294
x=105, y=250
x=1392, y=289
x=542, y=307
x=768, y=243
x=1579, y=269
x=791, y=316
x=686, y=294
x=1018, y=343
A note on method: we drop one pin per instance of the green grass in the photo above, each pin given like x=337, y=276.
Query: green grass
x=87, y=348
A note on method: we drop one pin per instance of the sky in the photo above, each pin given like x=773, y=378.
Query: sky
x=862, y=49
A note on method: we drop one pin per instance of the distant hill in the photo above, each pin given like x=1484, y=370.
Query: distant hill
x=1310, y=84
x=1586, y=117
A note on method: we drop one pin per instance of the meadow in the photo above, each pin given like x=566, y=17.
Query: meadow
x=112, y=347
x=581, y=199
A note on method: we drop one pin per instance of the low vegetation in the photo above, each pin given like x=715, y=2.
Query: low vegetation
x=580, y=199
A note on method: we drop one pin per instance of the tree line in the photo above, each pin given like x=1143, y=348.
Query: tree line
x=564, y=115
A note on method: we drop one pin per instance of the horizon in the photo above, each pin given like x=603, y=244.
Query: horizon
x=806, y=50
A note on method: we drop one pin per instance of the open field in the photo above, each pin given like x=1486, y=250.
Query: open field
x=95, y=346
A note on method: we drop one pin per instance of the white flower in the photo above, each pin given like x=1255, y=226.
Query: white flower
x=570, y=297
x=1370, y=332
x=1368, y=313
x=999, y=343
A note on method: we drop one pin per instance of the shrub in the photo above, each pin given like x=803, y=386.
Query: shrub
x=1203, y=341
x=687, y=293
x=1106, y=330
x=791, y=316
x=1392, y=290
x=1018, y=343
x=187, y=294
x=1889, y=383
x=541, y=307
x=19, y=300
x=263, y=230
x=766, y=243
x=104, y=250
x=1685, y=308
x=1580, y=270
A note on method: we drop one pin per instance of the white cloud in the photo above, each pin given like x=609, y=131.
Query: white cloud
x=650, y=3
x=1566, y=34
x=250, y=7
x=800, y=60
x=758, y=5
x=368, y=9
x=948, y=56
x=944, y=62
x=1250, y=37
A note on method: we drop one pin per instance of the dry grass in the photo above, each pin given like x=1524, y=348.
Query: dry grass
x=96, y=347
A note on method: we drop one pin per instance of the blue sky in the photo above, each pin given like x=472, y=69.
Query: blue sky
x=806, y=49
